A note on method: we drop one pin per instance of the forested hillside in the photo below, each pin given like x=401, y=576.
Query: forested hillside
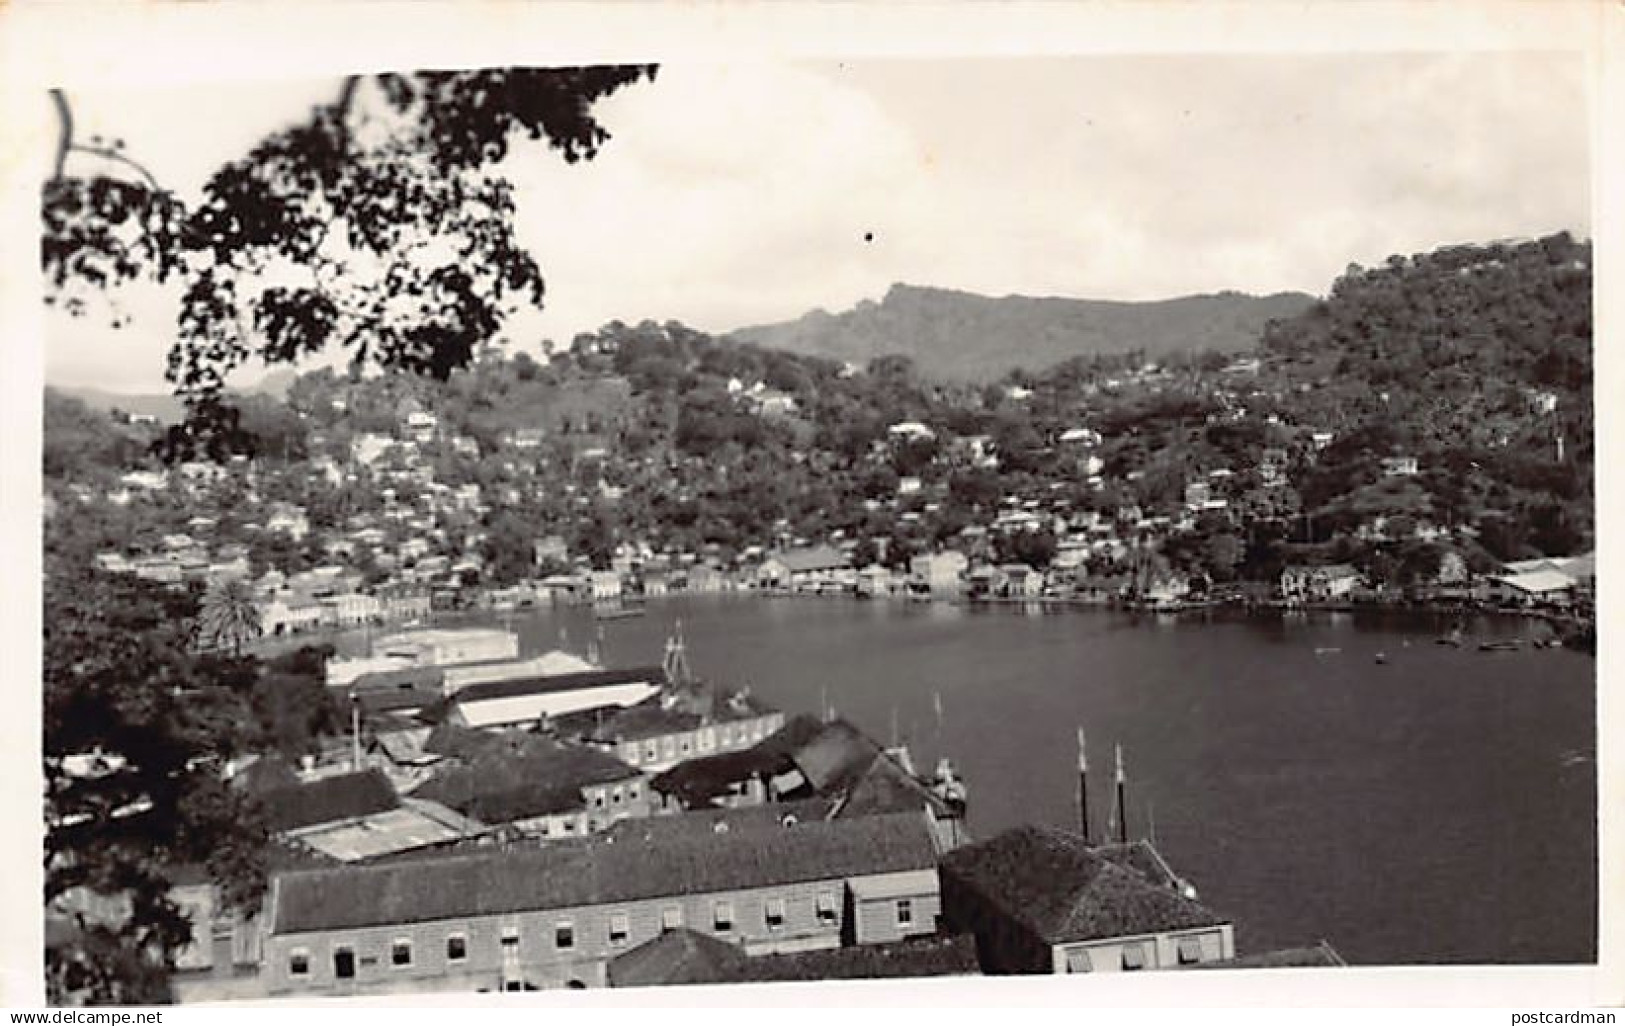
x=965, y=337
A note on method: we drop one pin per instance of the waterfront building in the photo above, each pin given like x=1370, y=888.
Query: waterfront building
x=938, y=571
x=1532, y=587
x=1018, y=580
x=448, y=647
x=533, y=784
x=1040, y=900
x=556, y=663
x=659, y=733
x=289, y=614
x=501, y=704
x=1318, y=583
x=809, y=759
x=805, y=569
x=554, y=916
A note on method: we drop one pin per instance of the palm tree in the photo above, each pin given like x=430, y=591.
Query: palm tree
x=229, y=617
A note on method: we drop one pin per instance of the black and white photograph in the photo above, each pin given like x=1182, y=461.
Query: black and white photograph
x=810, y=514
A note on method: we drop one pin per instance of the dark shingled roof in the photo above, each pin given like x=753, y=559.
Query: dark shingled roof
x=696, y=782
x=686, y=956
x=1321, y=955
x=1062, y=890
x=502, y=778
x=571, y=875
x=327, y=800
x=674, y=957
x=659, y=829
x=644, y=720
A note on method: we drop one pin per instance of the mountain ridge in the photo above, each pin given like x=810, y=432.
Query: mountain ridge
x=964, y=335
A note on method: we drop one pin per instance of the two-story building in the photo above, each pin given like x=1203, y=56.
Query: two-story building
x=533, y=784
x=656, y=735
x=1318, y=583
x=1040, y=900
x=554, y=916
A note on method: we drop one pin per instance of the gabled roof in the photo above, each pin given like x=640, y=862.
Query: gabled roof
x=1538, y=582
x=522, y=686
x=506, y=778
x=644, y=720
x=1321, y=955
x=327, y=800
x=820, y=557
x=697, y=781
x=685, y=956
x=675, y=957
x=1063, y=891
x=596, y=873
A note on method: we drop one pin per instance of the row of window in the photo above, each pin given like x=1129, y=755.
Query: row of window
x=685, y=744
x=630, y=793
x=564, y=933
x=1137, y=955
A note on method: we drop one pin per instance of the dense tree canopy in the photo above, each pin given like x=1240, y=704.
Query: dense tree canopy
x=379, y=224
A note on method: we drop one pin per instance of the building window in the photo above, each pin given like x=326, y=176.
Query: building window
x=456, y=948
x=827, y=913
x=1190, y=950
x=598, y=800
x=1134, y=956
x=651, y=751
x=298, y=962
x=564, y=936
x=618, y=928
x=685, y=746
x=671, y=918
x=615, y=797
x=344, y=963
x=723, y=916
x=905, y=912
x=510, y=937
x=400, y=952
x=1077, y=961
x=632, y=793
x=773, y=913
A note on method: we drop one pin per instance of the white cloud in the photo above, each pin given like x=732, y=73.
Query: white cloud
x=741, y=193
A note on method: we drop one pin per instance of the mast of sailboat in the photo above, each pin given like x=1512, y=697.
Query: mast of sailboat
x=1083, y=787
x=1122, y=799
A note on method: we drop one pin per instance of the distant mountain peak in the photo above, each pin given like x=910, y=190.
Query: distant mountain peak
x=962, y=335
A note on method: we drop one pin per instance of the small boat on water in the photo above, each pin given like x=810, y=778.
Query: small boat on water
x=1382, y=658
x=1455, y=639
x=1327, y=651
x=615, y=612
x=1500, y=646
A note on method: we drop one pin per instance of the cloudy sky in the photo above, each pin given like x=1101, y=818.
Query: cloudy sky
x=744, y=193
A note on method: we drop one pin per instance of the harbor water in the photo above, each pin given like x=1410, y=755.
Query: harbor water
x=1323, y=775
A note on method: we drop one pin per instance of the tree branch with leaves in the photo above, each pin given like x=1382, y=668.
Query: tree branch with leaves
x=381, y=225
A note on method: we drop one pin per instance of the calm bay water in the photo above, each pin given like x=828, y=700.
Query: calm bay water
x=1439, y=807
